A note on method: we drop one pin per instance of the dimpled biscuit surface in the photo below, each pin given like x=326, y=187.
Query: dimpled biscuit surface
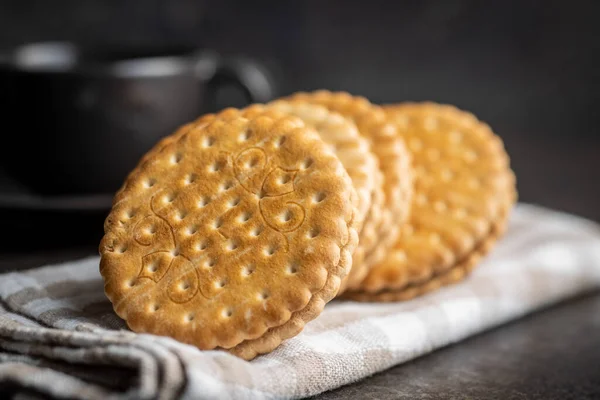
x=464, y=189
x=350, y=147
x=230, y=234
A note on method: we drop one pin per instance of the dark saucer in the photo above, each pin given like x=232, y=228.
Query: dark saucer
x=16, y=196
x=35, y=222
x=64, y=204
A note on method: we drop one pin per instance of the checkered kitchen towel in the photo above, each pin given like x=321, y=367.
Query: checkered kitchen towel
x=59, y=336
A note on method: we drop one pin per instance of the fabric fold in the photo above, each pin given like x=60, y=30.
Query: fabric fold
x=59, y=336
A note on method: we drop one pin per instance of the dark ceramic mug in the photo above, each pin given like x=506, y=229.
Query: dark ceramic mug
x=77, y=119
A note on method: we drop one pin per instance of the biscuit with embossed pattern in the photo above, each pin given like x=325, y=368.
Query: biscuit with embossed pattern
x=351, y=148
x=230, y=235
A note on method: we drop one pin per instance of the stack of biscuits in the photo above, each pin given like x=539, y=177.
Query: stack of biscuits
x=237, y=229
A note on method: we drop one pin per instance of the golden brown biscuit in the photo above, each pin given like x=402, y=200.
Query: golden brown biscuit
x=464, y=190
x=231, y=235
x=353, y=151
x=394, y=162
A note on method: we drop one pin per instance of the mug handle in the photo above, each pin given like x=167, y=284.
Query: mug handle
x=246, y=75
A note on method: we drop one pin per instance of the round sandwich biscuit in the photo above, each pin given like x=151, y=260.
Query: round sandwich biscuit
x=352, y=149
x=394, y=163
x=463, y=192
x=231, y=235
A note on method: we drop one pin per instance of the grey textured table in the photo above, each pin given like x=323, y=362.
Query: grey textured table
x=552, y=354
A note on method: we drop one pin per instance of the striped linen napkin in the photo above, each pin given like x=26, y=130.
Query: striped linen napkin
x=59, y=336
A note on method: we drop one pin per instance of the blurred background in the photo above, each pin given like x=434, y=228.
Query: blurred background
x=528, y=68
